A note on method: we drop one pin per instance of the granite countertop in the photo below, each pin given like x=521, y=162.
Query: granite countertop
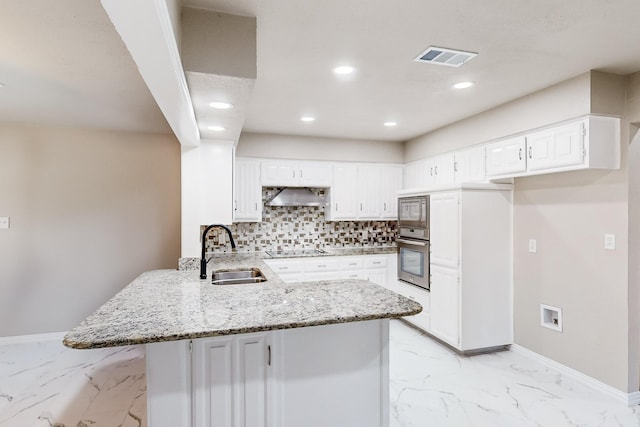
x=168, y=305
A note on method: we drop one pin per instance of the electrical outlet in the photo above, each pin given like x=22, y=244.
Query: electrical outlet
x=4, y=222
x=533, y=246
x=609, y=241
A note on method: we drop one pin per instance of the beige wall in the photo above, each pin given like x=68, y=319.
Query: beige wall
x=592, y=92
x=90, y=210
x=312, y=148
x=632, y=115
x=568, y=214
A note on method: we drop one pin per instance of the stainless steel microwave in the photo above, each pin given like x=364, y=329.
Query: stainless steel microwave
x=413, y=217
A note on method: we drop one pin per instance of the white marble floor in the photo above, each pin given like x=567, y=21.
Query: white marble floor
x=49, y=385
x=432, y=385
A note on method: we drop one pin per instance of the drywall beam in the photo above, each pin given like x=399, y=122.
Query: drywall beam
x=148, y=31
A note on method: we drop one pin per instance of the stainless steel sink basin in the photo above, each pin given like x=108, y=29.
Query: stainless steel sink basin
x=237, y=277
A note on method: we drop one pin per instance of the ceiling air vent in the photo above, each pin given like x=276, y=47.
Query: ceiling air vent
x=443, y=56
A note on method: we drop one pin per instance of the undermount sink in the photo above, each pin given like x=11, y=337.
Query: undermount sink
x=237, y=277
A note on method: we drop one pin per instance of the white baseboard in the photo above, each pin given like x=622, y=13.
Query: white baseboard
x=26, y=339
x=629, y=399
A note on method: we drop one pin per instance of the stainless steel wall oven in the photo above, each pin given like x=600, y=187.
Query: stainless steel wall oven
x=413, y=240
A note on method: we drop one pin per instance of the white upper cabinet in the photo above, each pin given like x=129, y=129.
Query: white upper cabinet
x=369, y=192
x=391, y=184
x=506, y=156
x=415, y=174
x=277, y=173
x=247, y=192
x=557, y=147
x=343, y=202
x=443, y=169
x=592, y=142
x=364, y=192
x=470, y=165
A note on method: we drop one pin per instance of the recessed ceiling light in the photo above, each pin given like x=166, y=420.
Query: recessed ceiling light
x=216, y=128
x=462, y=85
x=220, y=105
x=307, y=118
x=390, y=124
x=344, y=69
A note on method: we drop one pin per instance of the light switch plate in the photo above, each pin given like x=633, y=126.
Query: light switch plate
x=609, y=241
x=4, y=222
x=533, y=246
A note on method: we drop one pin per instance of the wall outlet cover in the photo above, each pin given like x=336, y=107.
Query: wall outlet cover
x=610, y=241
x=4, y=222
x=533, y=246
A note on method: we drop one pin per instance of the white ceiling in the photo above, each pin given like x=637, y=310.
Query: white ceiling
x=63, y=63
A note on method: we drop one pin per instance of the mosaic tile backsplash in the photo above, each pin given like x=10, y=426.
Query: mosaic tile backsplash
x=300, y=227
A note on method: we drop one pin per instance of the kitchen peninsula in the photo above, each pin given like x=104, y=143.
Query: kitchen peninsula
x=268, y=354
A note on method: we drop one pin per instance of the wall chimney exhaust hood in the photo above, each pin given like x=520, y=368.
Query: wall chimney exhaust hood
x=292, y=196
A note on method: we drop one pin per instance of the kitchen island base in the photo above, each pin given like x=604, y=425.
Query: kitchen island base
x=318, y=376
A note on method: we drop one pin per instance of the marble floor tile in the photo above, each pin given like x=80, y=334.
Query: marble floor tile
x=48, y=385
x=432, y=385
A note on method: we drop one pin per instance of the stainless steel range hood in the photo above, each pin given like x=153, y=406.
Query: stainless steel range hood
x=293, y=196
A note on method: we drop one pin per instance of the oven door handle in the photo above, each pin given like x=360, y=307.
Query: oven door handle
x=411, y=242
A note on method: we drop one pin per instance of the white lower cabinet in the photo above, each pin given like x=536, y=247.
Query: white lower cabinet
x=319, y=376
x=230, y=381
x=373, y=268
x=445, y=310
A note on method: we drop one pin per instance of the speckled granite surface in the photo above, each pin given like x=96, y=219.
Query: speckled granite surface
x=167, y=305
x=194, y=263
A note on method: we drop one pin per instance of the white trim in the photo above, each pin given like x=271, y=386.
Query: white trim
x=26, y=339
x=629, y=399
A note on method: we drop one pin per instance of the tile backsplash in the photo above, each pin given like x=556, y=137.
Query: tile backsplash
x=300, y=227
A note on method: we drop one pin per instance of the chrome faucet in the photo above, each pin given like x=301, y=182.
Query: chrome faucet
x=203, y=260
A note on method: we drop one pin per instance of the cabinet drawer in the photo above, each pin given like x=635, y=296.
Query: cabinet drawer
x=285, y=266
x=321, y=264
x=351, y=263
x=352, y=274
x=375, y=262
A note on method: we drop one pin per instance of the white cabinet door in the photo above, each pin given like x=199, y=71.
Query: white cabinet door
x=312, y=174
x=378, y=276
x=343, y=194
x=277, y=174
x=469, y=165
x=507, y=156
x=423, y=319
x=247, y=191
x=369, y=201
x=557, y=147
x=443, y=169
x=391, y=184
x=230, y=381
x=445, y=304
x=444, y=229
x=415, y=174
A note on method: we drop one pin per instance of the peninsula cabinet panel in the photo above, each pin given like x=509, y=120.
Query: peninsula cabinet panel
x=230, y=381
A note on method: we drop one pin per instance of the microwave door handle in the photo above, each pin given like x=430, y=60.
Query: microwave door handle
x=411, y=242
